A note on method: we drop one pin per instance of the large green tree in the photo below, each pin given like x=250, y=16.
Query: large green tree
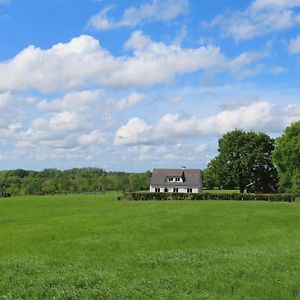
x=244, y=161
x=286, y=156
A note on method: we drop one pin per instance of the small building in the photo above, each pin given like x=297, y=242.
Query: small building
x=176, y=181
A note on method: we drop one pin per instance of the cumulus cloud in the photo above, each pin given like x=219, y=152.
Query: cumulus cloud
x=260, y=18
x=93, y=138
x=261, y=4
x=82, y=132
x=83, y=62
x=125, y=102
x=62, y=67
x=79, y=101
x=91, y=100
x=76, y=126
x=63, y=131
x=60, y=126
x=13, y=108
x=154, y=11
x=164, y=154
x=294, y=45
x=134, y=132
x=254, y=116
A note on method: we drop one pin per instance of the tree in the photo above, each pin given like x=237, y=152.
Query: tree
x=286, y=157
x=48, y=187
x=244, y=159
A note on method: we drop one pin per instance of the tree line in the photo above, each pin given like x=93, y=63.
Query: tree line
x=255, y=162
x=248, y=161
x=77, y=180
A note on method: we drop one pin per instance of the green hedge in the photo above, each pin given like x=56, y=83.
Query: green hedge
x=207, y=196
x=4, y=195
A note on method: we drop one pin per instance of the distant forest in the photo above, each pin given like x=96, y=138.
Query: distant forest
x=79, y=180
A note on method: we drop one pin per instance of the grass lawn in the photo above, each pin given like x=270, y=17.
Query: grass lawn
x=94, y=247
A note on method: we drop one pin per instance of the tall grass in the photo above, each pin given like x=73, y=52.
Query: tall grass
x=95, y=247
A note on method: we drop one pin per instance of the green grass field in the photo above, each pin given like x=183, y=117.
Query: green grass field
x=94, y=247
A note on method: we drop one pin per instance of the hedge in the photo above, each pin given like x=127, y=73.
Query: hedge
x=4, y=195
x=137, y=196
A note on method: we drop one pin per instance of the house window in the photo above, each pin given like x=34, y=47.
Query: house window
x=157, y=190
x=166, y=190
x=189, y=190
x=175, y=190
x=177, y=179
x=170, y=179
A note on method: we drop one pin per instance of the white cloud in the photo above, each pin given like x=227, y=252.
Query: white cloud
x=60, y=136
x=260, y=18
x=91, y=100
x=154, y=11
x=254, y=116
x=83, y=62
x=127, y=102
x=93, y=138
x=79, y=101
x=292, y=114
x=278, y=70
x=62, y=67
x=83, y=131
x=12, y=108
x=61, y=128
x=243, y=65
x=135, y=131
x=166, y=153
x=294, y=45
x=66, y=121
x=262, y=4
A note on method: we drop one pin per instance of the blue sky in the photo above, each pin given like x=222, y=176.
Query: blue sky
x=133, y=85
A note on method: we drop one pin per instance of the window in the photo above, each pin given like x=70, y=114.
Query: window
x=170, y=179
x=189, y=190
x=166, y=190
x=157, y=190
x=175, y=190
x=177, y=179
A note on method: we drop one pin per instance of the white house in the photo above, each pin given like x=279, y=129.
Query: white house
x=176, y=181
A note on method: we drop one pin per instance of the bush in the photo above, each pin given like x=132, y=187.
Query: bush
x=4, y=195
x=207, y=196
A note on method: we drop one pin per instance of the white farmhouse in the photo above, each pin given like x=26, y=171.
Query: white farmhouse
x=176, y=181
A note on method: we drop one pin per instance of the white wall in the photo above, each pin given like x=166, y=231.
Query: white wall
x=170, y=189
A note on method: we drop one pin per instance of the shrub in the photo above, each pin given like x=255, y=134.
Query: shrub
x=136, y=196
x=4, y=195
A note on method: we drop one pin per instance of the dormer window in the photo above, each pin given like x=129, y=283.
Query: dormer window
x=170, y=179
x=177, y=179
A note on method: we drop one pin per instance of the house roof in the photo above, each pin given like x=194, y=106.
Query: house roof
x=191, y=177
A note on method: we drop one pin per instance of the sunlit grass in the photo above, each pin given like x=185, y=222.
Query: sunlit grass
x=93, y=246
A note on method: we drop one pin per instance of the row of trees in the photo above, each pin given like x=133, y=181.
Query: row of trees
x=50, y=181
x=247, y=160
x=255, y=162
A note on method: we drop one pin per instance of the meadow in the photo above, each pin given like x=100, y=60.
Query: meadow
x=95, y=247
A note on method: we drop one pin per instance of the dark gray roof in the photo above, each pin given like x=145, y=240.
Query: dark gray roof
x=191, y=177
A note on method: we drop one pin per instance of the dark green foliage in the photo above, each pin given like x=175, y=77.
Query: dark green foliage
x=244, y=162
x=84, y=180
x=4, y=195
x=286, y=156
x=207, y=196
